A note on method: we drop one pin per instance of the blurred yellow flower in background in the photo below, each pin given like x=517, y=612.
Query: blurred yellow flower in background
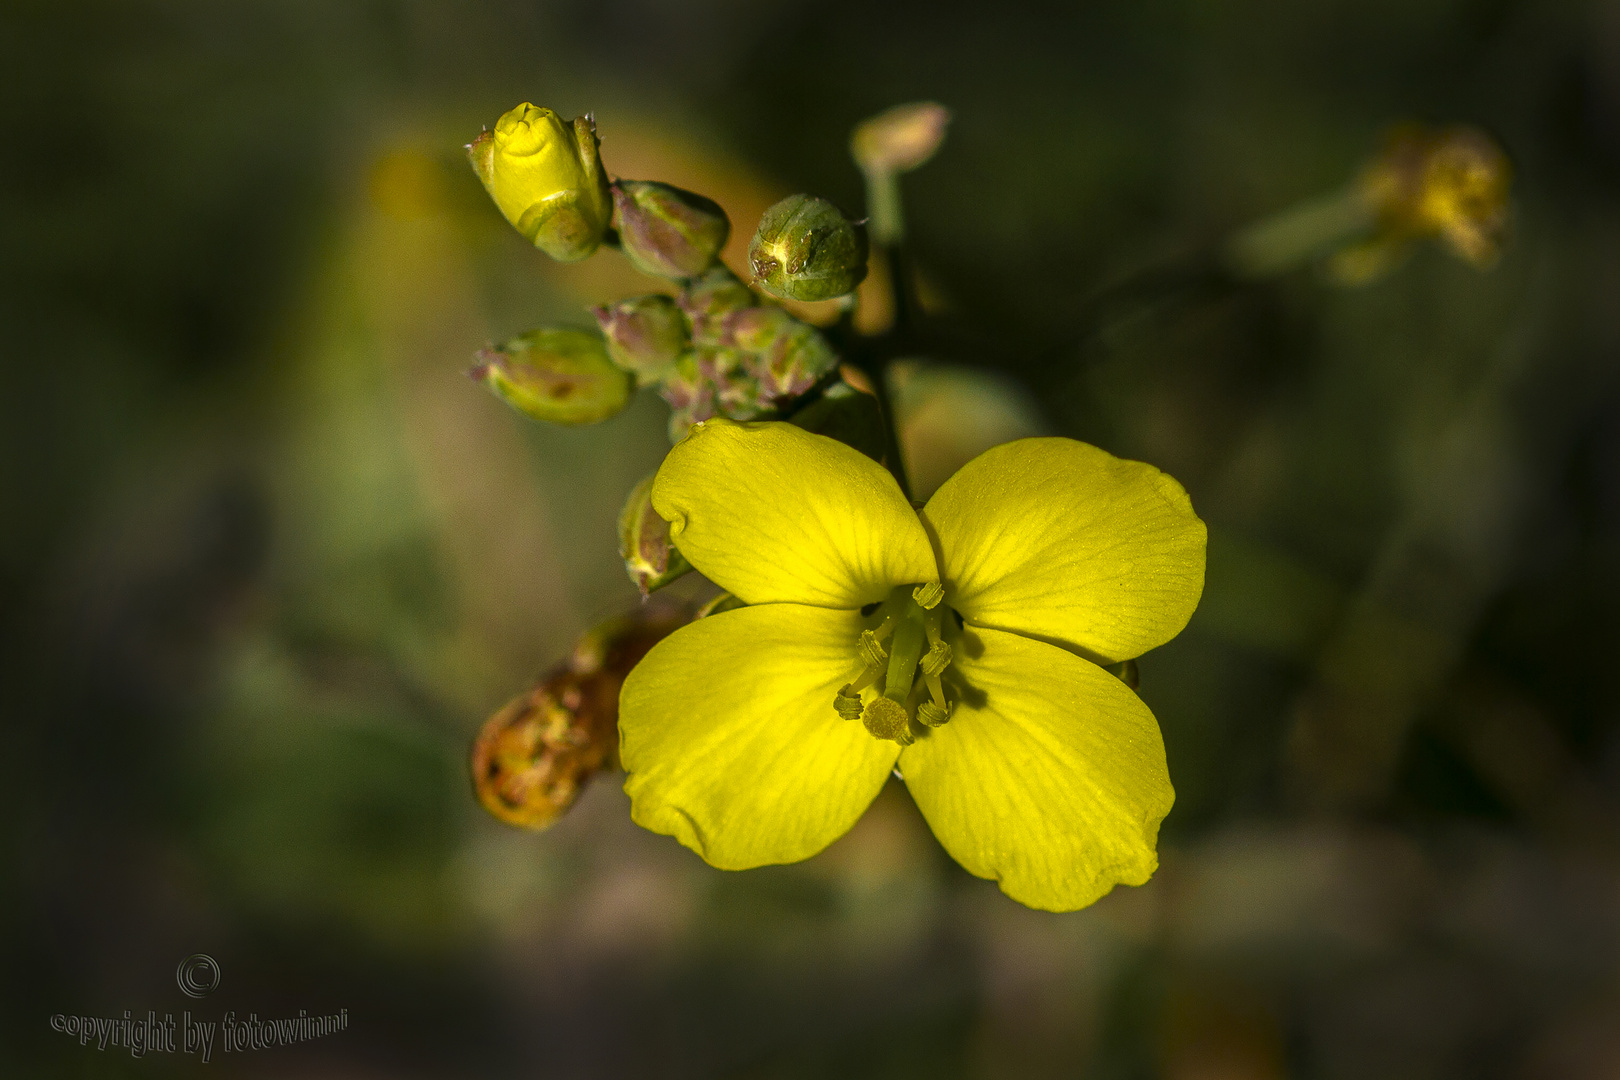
x=1452, y=183
x=968, y=638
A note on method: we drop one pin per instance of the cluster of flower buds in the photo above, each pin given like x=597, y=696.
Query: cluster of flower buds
x=534, y=757
x=716, y=350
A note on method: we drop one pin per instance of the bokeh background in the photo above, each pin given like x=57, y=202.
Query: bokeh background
x=267, y=559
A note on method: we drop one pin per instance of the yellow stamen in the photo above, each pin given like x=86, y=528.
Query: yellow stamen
x=871, y=651
x=928, y=595
x=848, y=703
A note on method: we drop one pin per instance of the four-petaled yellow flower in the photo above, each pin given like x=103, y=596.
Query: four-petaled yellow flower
x=962, y=641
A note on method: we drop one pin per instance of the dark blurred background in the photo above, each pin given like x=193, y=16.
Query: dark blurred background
x=267, y=560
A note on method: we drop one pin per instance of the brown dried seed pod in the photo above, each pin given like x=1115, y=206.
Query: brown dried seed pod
x=532, y=758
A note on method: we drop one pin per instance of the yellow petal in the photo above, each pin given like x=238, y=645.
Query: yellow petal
x=729, y=737
x=1065, y=542
x=1049, y=778
x=771, y=512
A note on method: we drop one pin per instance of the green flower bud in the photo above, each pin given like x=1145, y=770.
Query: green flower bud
x=690, y=396
x=806, y=249
x=563, y=376
x=757, y=329
x=546, y=177
x=650, y=559
x=789, y=357
x=645, y=334
x=666, y=231
x=709, y=299
x=729, y=371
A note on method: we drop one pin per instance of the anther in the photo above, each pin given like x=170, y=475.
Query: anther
x=871, y=652
x=937, y=659
x=933, y=715
x=928, y=595
x=848, y=702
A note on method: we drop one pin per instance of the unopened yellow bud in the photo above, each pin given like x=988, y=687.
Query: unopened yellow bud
x=547, y=178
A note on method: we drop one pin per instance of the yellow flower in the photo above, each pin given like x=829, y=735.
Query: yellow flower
x=1453, y=183
x=547, y=178
x=759, y=735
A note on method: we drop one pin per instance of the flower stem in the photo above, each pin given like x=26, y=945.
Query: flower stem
x=1294, y=236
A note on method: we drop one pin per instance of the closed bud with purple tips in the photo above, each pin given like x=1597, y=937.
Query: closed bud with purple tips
x=709, y=299
x=666, y=231
x=788, y=356
x=645, y=334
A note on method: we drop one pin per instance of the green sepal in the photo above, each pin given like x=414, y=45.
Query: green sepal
x=844, y=413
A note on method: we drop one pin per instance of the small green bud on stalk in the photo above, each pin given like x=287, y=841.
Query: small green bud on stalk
x=650, y=559
x=645, y=334
x=707, y=301
x=806, y=249
x=900, y=139
x=893, y=142
x=546, y=176
x=562, y=376
x=668, y=232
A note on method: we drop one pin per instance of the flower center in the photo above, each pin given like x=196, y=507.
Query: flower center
x=905, y=654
